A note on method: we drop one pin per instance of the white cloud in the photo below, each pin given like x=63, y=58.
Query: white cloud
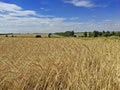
x=14, y=19
x=9, y=7
x=11, y=10
x=23, y=13
x=45, y=9
x=74, y=18
x=80, y=3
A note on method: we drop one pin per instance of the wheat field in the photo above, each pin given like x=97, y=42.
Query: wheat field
x=59, y=64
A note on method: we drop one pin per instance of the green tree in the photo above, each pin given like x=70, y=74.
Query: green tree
x=100, y=33
x=118, y=34
x=90, y=34
x=85, y=34
x=95, y=33
x=69, y=33
x=103, y=33
x=113, y=33
x=49, y=35
x=66, y=34
x=107, y=34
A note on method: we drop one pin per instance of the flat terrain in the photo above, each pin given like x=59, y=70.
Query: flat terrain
x=25, y=35
x=59, y=64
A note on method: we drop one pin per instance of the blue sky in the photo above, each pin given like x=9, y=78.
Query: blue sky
x=44, y=16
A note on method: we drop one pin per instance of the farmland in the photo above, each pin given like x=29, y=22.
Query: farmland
x=59, y=64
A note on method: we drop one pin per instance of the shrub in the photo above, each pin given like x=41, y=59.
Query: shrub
x=38, y=36
x=6, y=35
x=75, y=35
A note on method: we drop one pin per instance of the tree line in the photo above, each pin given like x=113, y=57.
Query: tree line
x=81, y=34
x=101, y=34
x=66, y=33
x=89, y=34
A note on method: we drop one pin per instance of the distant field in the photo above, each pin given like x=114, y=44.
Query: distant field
x=59, y=64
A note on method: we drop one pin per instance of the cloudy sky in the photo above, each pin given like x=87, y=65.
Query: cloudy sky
x=44, y=16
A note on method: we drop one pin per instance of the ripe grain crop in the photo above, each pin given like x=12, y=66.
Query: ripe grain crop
x=59, y=64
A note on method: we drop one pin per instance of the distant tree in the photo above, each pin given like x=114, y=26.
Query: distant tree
x=113, y=33
x=85, y=34
x=49, y=35
x=103, y=33
x=66, y=34
x=72, y=33
x=90, y=34
x=69, y=33
x=95, y=33
x=100, y=33
x=118, y=34
x=107, y=34
x=38, y=36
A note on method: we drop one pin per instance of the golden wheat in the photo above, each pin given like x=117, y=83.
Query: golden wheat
x=59, y=64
